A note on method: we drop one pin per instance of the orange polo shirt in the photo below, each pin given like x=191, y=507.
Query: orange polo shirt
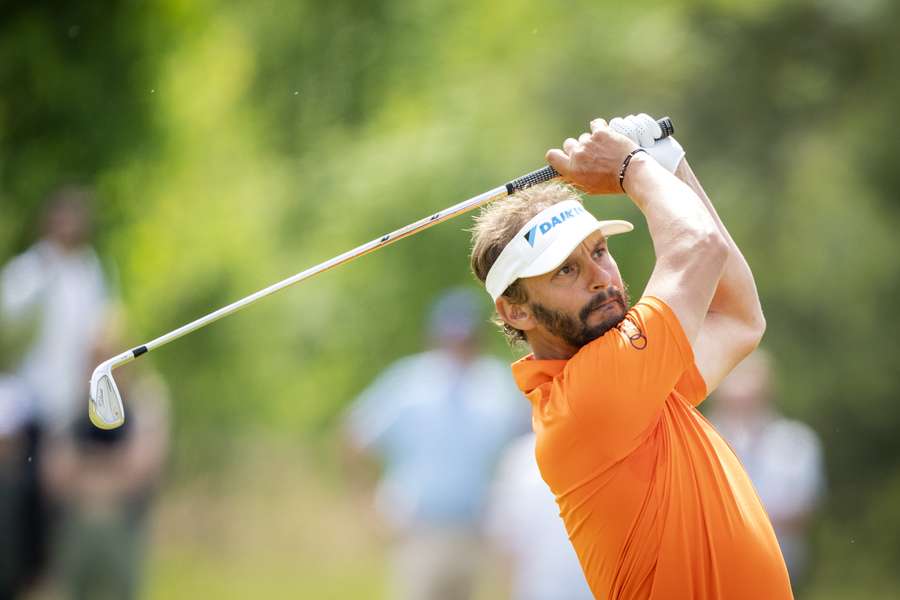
x=655, y=502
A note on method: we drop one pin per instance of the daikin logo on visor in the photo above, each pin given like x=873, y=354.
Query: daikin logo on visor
x=545, y=226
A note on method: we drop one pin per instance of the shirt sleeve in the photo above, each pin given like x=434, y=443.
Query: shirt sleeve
x=617, y=385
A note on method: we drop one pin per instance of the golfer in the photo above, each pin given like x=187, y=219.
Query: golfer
x=654, y=501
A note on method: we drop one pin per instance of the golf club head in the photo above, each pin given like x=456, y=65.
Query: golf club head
x=105, y=405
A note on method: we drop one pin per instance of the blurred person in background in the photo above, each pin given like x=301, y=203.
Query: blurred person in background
x=524, y=525
x=58, y=285
x=783, y=457
x=103, y=482
x=437, y=422
x=52, y=298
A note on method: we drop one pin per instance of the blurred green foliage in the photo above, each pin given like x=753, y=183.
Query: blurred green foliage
x=233, y=144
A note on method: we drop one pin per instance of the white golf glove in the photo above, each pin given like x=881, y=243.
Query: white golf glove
x=643, y=130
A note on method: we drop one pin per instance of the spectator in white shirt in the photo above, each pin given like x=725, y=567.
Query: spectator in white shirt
x=437, y=422
x=53, y=299
x=59, y=285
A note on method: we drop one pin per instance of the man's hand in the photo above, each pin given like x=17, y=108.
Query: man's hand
x=644, y=131
x=592, y=162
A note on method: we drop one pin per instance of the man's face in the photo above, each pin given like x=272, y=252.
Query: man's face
x=581, y=299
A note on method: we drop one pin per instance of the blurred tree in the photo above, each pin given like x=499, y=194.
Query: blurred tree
x=76, y=81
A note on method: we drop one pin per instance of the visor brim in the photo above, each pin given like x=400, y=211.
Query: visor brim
x=563, y=246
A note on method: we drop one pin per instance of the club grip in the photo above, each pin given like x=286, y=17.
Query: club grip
x=667, y=127
x=535, y=177
x=547, y=173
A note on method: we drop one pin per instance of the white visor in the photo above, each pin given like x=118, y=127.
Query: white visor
x=545, y=242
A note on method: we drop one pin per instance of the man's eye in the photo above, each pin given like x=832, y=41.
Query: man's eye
x=564, y=270
x=599, y=252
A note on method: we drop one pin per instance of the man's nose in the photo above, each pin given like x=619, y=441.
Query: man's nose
x=600, y=277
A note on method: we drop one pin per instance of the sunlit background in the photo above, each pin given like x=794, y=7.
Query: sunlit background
x=231, y=144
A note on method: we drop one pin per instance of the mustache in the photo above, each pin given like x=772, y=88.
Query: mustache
x=599, y=300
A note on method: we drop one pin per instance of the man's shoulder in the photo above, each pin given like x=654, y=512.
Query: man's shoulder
x=646, y=332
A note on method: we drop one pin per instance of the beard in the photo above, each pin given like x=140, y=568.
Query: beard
x=575, y=331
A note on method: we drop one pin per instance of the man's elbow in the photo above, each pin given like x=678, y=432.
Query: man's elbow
x=699, y=250
x=712, y=248
x=755, y=320
x=758, y=327
x=748, y=335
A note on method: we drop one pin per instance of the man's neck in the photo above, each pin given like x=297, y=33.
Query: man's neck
x=547, y=347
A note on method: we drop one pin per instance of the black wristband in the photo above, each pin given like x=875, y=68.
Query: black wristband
x=625, y=164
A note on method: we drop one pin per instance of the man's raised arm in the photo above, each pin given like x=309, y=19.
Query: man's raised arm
x=734, y=323
x=690, y=249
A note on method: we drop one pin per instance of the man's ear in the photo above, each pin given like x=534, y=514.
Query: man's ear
x=517, y=316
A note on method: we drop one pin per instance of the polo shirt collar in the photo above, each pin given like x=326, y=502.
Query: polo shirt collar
x=531, y=373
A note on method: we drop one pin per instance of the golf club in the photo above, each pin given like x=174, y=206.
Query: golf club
x=105, y=405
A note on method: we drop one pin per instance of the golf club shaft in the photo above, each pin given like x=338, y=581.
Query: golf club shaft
x=538, y=176
x=375, y=244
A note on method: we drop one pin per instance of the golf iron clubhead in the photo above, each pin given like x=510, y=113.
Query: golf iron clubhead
x=105, y=407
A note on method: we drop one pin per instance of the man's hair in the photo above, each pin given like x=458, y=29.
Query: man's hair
x=496, y=226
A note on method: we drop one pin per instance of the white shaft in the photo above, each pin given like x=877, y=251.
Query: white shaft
x=119, y=360
x=456, y=209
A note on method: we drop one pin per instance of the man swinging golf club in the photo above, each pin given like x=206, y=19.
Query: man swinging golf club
x=655, y=502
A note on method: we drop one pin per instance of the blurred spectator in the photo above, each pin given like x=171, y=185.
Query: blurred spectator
x=524, y=525
x=103, y=482
x=52, y=298
x=783, y=457
x=58, y=286
x=438, y=422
